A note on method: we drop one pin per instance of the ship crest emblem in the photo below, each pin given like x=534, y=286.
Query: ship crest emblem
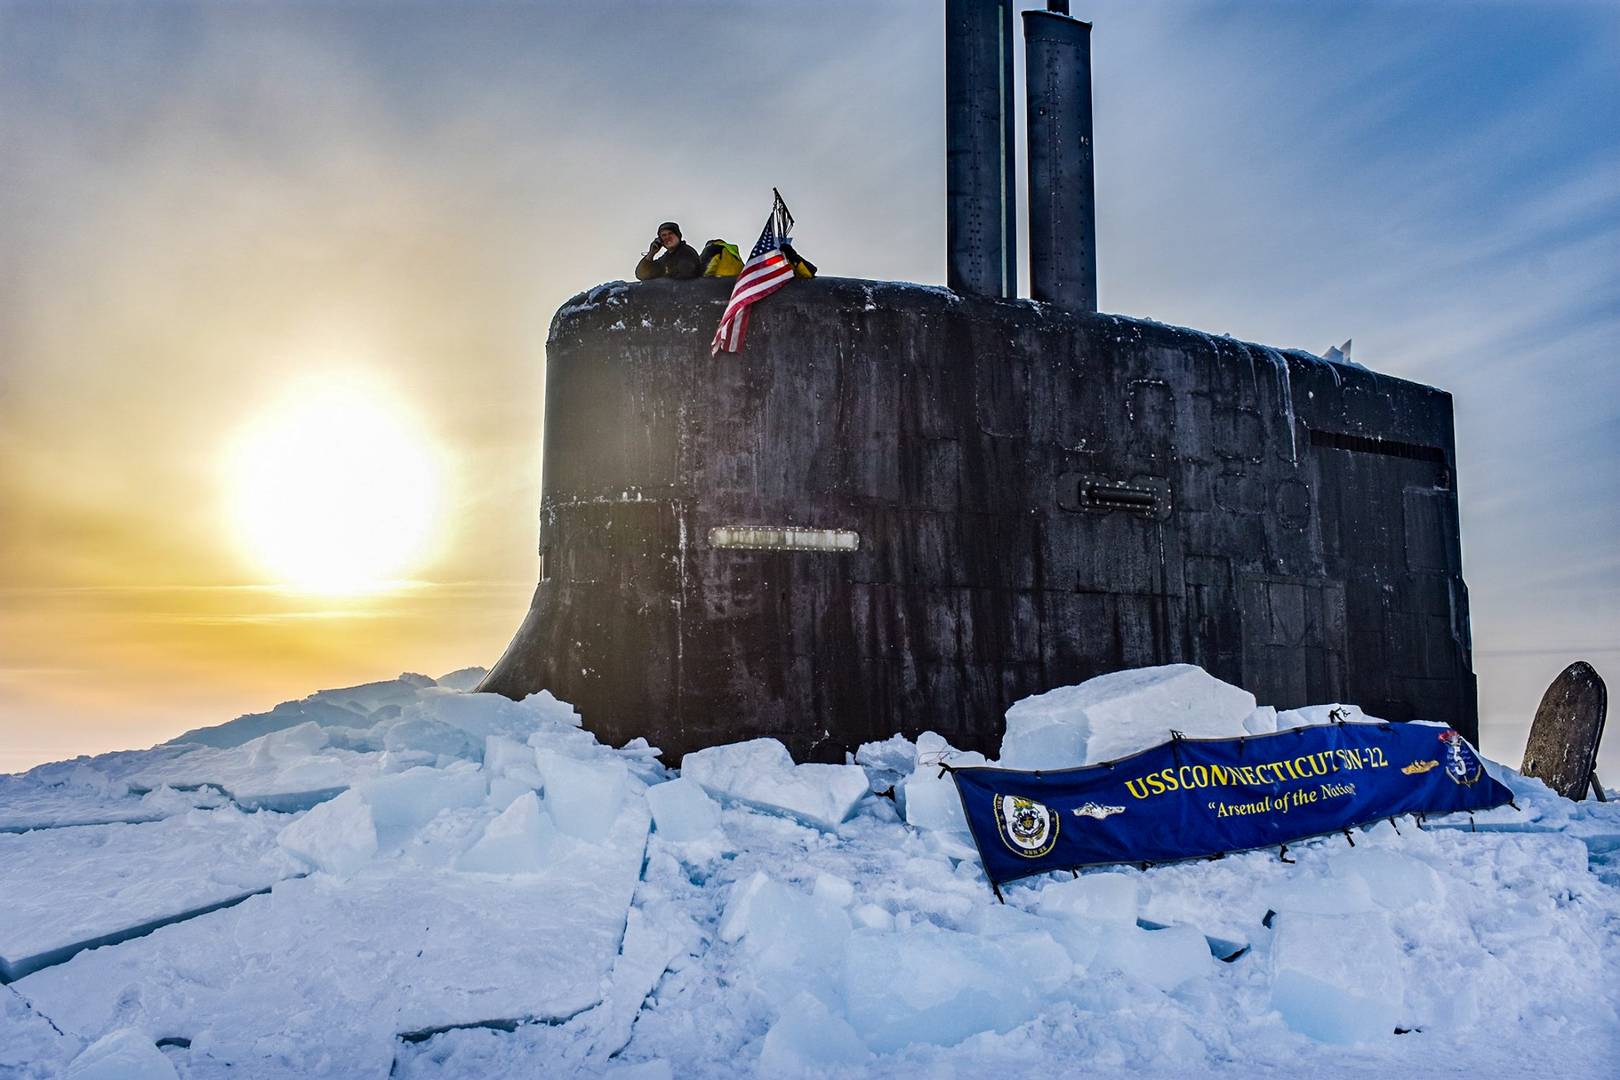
x=1462, y=764
x=1027, y=827
x=1094, y=810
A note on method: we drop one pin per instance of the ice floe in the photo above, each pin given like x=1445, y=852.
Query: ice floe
x=408, y=879
x=760, y=773
x=1118, y=714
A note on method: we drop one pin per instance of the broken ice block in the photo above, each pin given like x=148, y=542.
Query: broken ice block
x=64, y=890
x=872, y=917
x=508, y=757
x=1336, y=978
x=1336, y=894
x=337, y=837
x=1121, y=713
x=834, y=890
x=285, y=771
x=682, y=810
x=931, y=799
x=792, y=941
x=938, y=986
x=1395, y=880
x=887, y=763
x=583, y=797
x=734, y=923
x=404, y=802
x=760, y=773
x=1043, y=746
x=503, y=790
x=518, y=841
x=809, y=1039
x=430, y=736
x=477, y=715
x=1161, y=958
x=1112, y=898
x=317, y=977
x=1263, y=721
x=123, y=1054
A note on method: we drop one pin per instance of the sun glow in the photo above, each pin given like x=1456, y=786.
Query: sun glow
x=336, y=489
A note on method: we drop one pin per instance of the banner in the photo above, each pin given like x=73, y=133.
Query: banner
x=1189, y=798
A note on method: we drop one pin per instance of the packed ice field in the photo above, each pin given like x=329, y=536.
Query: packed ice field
x=409, y=879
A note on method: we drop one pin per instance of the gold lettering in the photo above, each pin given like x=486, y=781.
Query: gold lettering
x=1136, y=788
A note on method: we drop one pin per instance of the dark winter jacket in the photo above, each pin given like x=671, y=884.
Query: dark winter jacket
x=679, y=262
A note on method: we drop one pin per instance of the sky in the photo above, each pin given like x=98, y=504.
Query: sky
x=211, y=213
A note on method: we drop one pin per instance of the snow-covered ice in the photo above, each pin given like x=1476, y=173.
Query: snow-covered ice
x=479, y=888
x=61, y=889
x=807, y=1040
x=583, y=797
x=124, y=1054
x=937, y=986
x=337, y=836
x=1163, y=958
x=401, y=803
x=1115, y=715
x=521, y=840
x=682, y=810
x=321, y=976
x=929, y=795
x=68, y=793
x=1104, y=897
x=1336, y=978
x=760, y=773
x=291, y=768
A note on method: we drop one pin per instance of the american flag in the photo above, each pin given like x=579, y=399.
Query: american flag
x=766, y=270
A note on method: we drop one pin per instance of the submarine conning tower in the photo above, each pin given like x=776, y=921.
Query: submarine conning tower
x=902, y=508
x=991, y=498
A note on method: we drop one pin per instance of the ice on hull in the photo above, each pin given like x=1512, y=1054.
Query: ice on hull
x=1040, y=496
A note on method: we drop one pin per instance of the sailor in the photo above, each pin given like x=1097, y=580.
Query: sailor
x=678, y=260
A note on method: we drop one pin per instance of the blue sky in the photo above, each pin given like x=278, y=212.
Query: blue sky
x=199, y=203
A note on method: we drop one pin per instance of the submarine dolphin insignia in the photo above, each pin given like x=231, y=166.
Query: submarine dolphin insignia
x=904, y=507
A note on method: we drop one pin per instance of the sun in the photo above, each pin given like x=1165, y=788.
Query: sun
x=336, y=489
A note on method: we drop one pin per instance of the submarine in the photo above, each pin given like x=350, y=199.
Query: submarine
x=902, y=507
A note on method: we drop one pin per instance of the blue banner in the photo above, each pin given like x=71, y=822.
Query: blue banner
x=1190, y=798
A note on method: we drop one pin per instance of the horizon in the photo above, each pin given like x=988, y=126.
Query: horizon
x=217, y=213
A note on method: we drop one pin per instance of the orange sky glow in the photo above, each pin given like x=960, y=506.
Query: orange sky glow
x=206, y=207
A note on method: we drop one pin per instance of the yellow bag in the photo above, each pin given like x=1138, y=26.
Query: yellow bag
x=802, y=267
x=724, y=262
